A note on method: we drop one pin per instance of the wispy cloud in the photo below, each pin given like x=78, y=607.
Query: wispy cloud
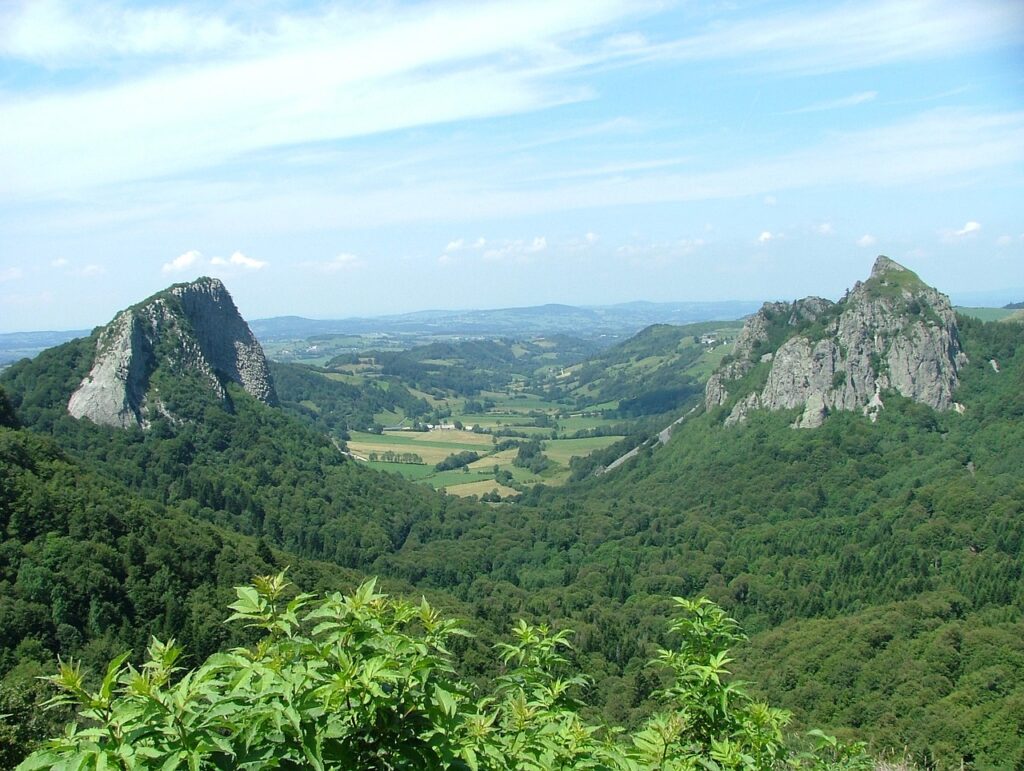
x=930, y=148
x=866, y=240
x=855, y=35
x=382, y=73
x=968, y=229
x=518, y=250
x=835, y=104
x=658, y=254
x=11, y=274
x=68, y=34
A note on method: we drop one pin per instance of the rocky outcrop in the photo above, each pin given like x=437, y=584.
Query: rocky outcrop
x=891, y=332
x=189, y=328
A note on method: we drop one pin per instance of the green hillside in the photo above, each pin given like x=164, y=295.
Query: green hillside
x=776, y=525
x=877, y=565
x=655, y=371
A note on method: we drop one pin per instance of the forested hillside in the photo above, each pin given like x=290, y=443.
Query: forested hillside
x=779, y=524
x=876, y=564
x=89, y=569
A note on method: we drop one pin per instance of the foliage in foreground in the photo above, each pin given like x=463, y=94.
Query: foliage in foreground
x=366, y=681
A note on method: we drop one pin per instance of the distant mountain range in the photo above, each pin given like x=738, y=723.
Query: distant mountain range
x=581, y=321
x=593, y=321
x=21, y=345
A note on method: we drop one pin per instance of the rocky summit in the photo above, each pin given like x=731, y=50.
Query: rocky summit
x=191, y=328
x=892, y=332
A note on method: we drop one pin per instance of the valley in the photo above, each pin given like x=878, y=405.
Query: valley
x=858, y=515
x=559, y=397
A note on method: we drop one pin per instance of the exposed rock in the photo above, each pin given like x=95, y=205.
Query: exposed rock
x=892, y=332
x=742, y=408
x=192, y=328
x=814, y=412
x=874, y=406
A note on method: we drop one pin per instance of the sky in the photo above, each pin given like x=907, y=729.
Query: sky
x=335, y=159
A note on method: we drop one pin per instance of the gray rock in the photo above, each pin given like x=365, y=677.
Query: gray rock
x=742, y=408
x=814, y=412
x=189, y=328
x=892, y=332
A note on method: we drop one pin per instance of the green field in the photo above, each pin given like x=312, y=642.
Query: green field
x=989, y=314
x=575, y=423
x=481, y=488
x=561, y=450
x=434, y=446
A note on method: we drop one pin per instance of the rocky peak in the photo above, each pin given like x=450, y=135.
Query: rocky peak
x=884, y=265
x=191, y=328
x=891, y=332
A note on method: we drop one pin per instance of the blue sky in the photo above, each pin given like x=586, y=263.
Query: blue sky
x=359, y=158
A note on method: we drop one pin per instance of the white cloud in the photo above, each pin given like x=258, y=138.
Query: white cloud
x=11, y=274
x=194, y=261
x=770, y=200
x=866, y=240
x=91, y=269
x=765, y=237
x=591, y=238
x=825, y=229
x=1004, y=240
x=182, y=262
x=463, y=244
x=516, y=251
x=239, y=259
x=967, y=229
x=60, y=262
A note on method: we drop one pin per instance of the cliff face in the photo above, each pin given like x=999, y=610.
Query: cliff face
x=189, y=328
x=891, y=332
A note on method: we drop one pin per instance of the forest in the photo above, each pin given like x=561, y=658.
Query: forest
x=876, y=567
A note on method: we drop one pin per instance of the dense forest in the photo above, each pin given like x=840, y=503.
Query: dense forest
x=876, y=566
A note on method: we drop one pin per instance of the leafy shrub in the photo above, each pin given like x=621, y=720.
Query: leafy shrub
x=365, y=681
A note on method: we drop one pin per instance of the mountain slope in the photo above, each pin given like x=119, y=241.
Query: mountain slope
x=781, y=525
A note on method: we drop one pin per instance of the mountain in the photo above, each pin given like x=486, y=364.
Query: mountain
x=889, y=333
x=877, y=565
x=191, y=331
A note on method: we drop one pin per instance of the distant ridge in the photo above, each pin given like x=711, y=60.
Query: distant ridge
x=582, y=321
